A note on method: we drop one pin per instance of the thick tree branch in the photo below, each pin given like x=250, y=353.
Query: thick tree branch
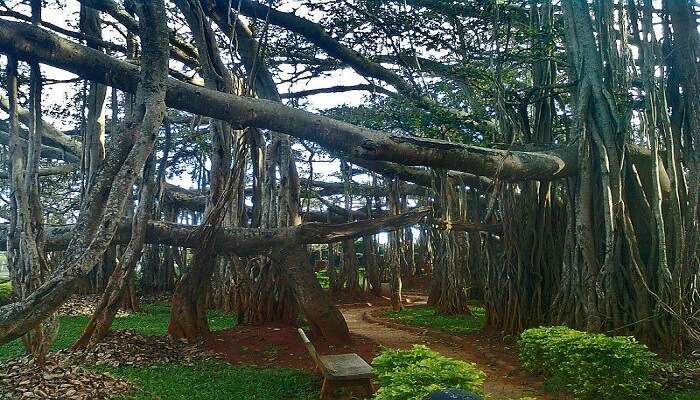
x=337, y=89
x=46, y=151
x=27, y=42
x=50, y=171
x=53, y=136
x=462, y=226
x=316, y=34
x=243, y=241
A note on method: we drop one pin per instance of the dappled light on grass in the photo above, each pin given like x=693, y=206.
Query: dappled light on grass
x=5, y=290
x=217, y=380
x=425, y=316
x=151, y=320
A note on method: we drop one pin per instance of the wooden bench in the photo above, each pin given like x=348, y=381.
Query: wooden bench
x=341, y=370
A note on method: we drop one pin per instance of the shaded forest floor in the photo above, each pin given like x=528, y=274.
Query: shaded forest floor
x=271, y=362
x=504, y=378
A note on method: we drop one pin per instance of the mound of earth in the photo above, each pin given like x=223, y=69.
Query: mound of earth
x=82, y=304
x=22, y=378
x=85, y=304
x=279, y=346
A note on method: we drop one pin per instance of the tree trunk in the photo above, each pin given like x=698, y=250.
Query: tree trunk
x=104, y=207
x=371, y=265
x=188, y=318
x=449, y=286
x=396, y=251
x=120, y=290
x=322, y=315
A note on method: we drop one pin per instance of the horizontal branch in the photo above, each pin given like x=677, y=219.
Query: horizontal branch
x=183, y=199
x=91, y=40
x=462, y=226
x=242, y=241
x=357, y=189
x=49, y=152
x=337, y=89
x=50, y=171
x=31, y=43
x=421, y=176
x=53, y=136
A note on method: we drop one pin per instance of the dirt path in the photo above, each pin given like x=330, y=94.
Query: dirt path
x=503, y=379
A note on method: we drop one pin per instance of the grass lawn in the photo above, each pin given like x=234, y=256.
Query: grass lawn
x=217, y=380
x=152, y=320
x=203, y=380
x=425, y=316
x=5, y=289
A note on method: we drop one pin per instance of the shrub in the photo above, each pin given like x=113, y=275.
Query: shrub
x=589, y=365
x=413, y=374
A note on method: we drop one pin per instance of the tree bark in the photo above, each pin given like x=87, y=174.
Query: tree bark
x=322, y=315
x=101, y=212
x=189, y=306
x=395, y=249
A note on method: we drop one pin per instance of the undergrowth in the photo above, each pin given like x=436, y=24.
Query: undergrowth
x=590, y=365
x=413, y=374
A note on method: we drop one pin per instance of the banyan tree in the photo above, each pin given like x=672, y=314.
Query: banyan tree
x=546, y=153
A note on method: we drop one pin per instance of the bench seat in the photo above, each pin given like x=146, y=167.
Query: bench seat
x=345, y=366
x=340, y=370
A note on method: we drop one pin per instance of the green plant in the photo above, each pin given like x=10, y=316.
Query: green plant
x=413, y=374
x=589, y=365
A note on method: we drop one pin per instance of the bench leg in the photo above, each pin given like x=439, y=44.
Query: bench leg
x=326, y=389
x=369, y=387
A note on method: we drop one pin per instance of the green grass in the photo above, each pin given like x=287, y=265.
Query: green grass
x=152, y=320
x=5, y=289
x=425, y=316
x=203, y=380
x=681, y=396
x=217, y=380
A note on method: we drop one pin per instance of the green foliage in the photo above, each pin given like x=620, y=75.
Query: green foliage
x=217, y=380
x=589, y=365
x=681, y=396
x=323, y=278
x=325, y=281
x=427, y=317
x=413, y=374
x=5, y=290
x=152, y=320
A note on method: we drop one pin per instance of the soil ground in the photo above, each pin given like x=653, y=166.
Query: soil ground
x=504, y=380
x=280, y=346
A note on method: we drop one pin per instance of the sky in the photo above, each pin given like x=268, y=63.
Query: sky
x=60, y=93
